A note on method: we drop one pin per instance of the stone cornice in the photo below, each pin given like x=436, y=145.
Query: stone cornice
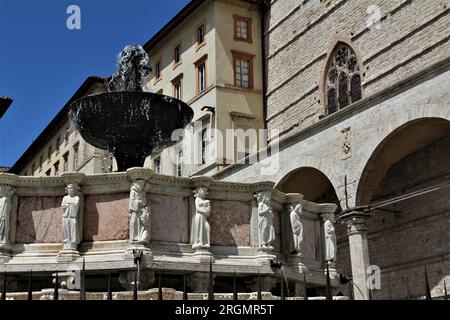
x=158, y=184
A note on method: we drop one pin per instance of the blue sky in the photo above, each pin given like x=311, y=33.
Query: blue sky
x=42, y=62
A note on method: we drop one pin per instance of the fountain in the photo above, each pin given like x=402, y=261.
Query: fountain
x=127, y=121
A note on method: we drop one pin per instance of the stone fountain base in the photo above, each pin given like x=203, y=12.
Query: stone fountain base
x=105, y=245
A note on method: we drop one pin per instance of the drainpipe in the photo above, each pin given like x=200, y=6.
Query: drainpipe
x=264, y=8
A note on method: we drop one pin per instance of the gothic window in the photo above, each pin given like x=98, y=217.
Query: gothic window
x=343, y=79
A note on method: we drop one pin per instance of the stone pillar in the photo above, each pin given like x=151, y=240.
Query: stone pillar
x=359, y=251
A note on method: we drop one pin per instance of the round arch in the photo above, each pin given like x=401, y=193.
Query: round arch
x=401, y=142
x=311, y=182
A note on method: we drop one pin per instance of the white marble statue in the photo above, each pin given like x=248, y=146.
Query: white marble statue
x=139, y=213
x=70, y=214
x=6, y=193
x=330, y=237
x=200, y=225
x=295, y=212
x=265, y=220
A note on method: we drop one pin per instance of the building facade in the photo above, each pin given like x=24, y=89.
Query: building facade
x=60, y=148
x=212, y=61
x=358, y=92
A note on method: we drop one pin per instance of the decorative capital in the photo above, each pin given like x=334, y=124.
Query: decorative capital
x=202, y=181
x=8, y=178
x=139, y=173
x=356, y=221
x=73, y=177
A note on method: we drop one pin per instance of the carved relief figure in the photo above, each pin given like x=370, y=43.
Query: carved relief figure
x=295, y=212
x=200, y=225
x=139, y=213
x=346, y=144
x=330, y=237
x=6, y=193
x=70, y=213
x=265, y=219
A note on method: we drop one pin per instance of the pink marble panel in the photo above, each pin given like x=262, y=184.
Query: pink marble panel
x=309, y=240
x=106, y=217
x=277, y=225
x=39, y=220
x=230, y=223
x=169, y=218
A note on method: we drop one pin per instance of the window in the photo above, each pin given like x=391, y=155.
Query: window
x=33, y=168
x=75, y=156
x=245, y=135
x=58, y=142
x=343, y=79
x=158, y=70
x=66, y=136
x=49, y=155
x=157, y=164
x=204, y=145
x=200, y=34
x=242, y=28
x=66, y=162
x=177, y=85
x=180, y=163
x=41, y=157
x=177, y=54
x=56, y=168
x=201, y=80
x=243, y=69
x=48, y=172
x=201, y=77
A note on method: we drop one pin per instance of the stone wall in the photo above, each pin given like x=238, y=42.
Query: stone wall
x=411, y=36
x=415, y=233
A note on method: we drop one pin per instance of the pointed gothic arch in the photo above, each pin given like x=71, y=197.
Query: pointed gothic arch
x=341, y=78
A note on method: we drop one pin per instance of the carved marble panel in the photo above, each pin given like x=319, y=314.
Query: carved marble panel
x=106, y=217
x=169, y=218
x=39, y=220
x=230, y=223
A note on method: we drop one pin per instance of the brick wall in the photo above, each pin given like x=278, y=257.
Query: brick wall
x=414, y=233
x=412, y=35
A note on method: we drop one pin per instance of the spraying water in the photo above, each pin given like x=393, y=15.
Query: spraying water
x=285, y=280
